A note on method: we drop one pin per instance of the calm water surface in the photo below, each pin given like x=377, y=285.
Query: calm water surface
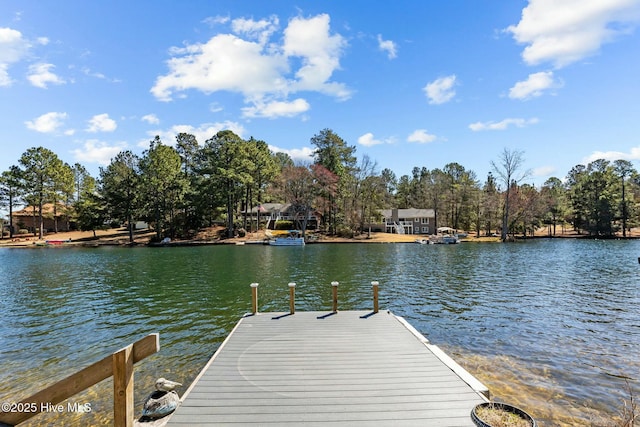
x=550, y=325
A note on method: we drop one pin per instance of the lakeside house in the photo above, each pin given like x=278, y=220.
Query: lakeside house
x=409, y=221
x=270, y=213
x=27, y=218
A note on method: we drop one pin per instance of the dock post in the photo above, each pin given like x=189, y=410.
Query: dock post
x=122, y=366
x=292, y=297
x=374, y=285
x=334, y=286
x=254, y=298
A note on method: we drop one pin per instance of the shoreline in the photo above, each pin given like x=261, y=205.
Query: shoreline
x=120, y=237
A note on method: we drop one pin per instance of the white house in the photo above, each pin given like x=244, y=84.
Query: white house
x=409, y=221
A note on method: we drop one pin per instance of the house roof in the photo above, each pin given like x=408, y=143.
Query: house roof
x=409, y=213
x=270, y=207
x=47, y=210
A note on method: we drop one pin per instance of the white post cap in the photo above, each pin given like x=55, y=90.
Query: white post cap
x=335, y=283
x=254, y=285
x=292, y=285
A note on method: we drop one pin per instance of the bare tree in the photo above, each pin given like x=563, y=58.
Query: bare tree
x=507, y=169
x=297, y=187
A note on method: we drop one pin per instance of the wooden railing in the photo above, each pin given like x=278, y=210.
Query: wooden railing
x=119, y=365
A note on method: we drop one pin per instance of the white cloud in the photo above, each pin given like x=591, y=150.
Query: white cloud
x=276, y=109
x=152, y=119
x=298, y=155
x=388, y=46
x=441, y=90
x=544, y=171
x=94, y=151
x=5, y=80
x=47, y=123
x=256, y=30
x=88, y=72
x=502, y=125
x=563, y=32
x=225, y=62
x=216, y=20
x=214, y=107
x=534, y=86
x=202, y=132
x=101, y=123
x=262, y=72
x=368, y=140
x=13, y=47
x=40, y=75
x=310, y=40
x=633, y=154
x=43, y=41
x=421, y=136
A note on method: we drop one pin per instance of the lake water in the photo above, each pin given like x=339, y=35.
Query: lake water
x=552, y=326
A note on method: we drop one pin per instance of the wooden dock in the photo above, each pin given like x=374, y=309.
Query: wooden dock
x=351, y=368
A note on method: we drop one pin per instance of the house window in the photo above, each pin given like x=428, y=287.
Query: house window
x=425, y=220
x=425, y=230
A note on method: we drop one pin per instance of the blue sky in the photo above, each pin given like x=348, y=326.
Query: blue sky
x=409, y=83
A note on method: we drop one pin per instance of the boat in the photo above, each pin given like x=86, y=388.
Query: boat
x=292, y=239
x=448, y=239
x=443, y=239
x=287, y=241
x=446, y=235
x=57, y=241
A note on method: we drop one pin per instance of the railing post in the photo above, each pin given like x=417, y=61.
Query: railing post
x=334, y=286
x=374, y=285
x=292, y=297
x=121, y=369
x=123, y=387
x=254, y=298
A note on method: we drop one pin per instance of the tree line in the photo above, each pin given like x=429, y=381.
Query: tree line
x=181, y=188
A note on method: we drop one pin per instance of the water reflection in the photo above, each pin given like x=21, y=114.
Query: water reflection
x=547, y=325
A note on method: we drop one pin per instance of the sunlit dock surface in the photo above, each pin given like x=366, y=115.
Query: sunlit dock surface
x=351, y=368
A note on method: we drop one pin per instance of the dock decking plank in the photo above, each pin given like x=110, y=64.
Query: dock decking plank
x=316, y=368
